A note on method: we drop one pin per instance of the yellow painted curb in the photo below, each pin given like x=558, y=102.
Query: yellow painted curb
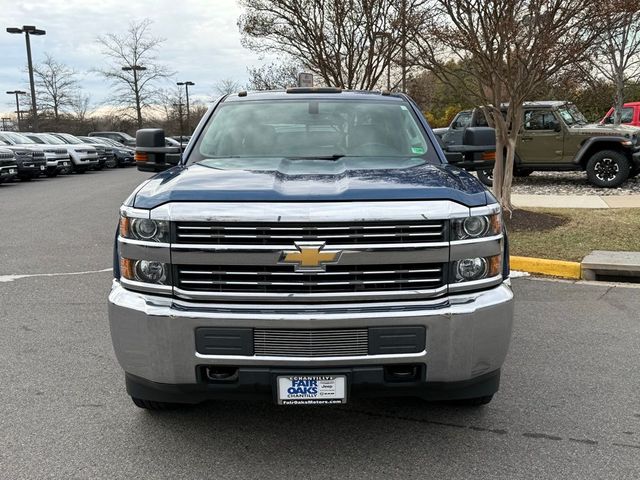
x=556, y=268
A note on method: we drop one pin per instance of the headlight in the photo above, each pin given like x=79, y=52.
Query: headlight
x=476, y=268
x=476, y=227
x=146, y=271
x=144, y=229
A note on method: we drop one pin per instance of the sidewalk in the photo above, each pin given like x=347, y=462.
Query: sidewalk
x=575, y=201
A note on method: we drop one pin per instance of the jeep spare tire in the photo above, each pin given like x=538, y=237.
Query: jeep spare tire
x=608, y=169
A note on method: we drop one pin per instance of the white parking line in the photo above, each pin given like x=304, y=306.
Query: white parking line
x=11, y=278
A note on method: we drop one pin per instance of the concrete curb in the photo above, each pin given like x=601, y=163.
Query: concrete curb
x=555, y=268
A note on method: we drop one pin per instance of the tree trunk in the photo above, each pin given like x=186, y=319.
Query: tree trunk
x=507, y=180
x=619, y=100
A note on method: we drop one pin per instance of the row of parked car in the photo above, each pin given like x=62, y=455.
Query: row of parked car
x=26, y=155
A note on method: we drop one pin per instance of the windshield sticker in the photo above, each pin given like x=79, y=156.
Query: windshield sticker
x=417, y=150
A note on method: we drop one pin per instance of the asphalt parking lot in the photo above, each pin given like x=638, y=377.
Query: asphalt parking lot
x=569, y=405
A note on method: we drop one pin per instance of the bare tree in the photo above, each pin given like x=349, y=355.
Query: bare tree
x=134, y=71
x=226, y=86
x=79, y=105
x=618, y=53
x=510, y=48
x=349, y=44
x=274, y=76
x=56, y=85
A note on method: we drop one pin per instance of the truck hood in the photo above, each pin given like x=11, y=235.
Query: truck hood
x=626, y=131
x=348, y=179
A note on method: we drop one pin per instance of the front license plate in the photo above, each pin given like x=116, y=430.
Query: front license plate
x=12, y=171
x=41, y=167
x=65, y=164
x=312, y=390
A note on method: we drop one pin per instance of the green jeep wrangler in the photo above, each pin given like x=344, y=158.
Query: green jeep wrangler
x=555, y=136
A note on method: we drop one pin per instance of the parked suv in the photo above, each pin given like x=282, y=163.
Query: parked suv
x=121, y=137
x=8, y=165
x=555, y=136
x=31, y=162
x=123, y=154
x=311, y=246
x=80, y=156
x=57, y=159
x=90, y=162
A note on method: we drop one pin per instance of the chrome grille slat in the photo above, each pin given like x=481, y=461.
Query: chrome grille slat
x=430, y=231
x=373, y=272
x=311, y=343
x=283, y=278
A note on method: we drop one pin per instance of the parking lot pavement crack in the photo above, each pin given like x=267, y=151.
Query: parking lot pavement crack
x=626, y=445
x=12, y=278
x=498, y=431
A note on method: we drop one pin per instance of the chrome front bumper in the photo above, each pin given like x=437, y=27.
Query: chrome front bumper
x=468, y=334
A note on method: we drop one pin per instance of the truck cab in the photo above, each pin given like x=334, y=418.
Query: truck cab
x=309, y=246
x=630, y=115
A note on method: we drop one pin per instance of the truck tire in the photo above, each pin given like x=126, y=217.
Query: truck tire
x=151, y=405
x=486, y=177
x=608, y=169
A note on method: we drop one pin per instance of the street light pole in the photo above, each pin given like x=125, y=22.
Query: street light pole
x=186, y=87
x=389, y=38
x=180, y=105
x=16, y=93
x=29, y=30
x=404, y=46
x=136, y=69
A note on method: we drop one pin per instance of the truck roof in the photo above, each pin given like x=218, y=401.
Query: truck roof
x=307, y=94
x=546, y=103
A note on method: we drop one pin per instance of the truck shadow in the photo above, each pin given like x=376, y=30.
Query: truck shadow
x=277, y=437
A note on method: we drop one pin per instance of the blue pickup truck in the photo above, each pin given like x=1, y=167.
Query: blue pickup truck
x=310, y=246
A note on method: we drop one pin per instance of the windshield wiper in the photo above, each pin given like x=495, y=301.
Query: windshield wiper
x=336, y=156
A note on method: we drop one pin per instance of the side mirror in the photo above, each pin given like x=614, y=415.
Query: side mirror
x=151, y=153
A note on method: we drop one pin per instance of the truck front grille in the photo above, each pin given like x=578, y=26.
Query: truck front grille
x=283, y=278
x=311, y=343
x=331, y=234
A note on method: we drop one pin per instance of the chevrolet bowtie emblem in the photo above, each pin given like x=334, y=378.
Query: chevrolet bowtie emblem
x=310, y=257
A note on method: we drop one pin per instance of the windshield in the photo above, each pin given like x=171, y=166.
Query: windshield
x=70, y=138
x=17, y=138
x=571, y=115
x=50, y=139
x=324, y=128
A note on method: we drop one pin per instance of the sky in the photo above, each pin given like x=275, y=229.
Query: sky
x=202, y=41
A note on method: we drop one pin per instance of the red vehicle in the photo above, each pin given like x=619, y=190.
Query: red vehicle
x=630, y=115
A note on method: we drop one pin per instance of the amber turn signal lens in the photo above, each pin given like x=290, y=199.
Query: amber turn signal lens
x=126, y=268
x=496, y=223
x=125, y=225
x=489, y=156
x=141, y=157
x=495, y=266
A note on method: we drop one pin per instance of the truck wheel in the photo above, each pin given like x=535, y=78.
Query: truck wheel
x=486, y=177
x=608, y=169
x=151, y=405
